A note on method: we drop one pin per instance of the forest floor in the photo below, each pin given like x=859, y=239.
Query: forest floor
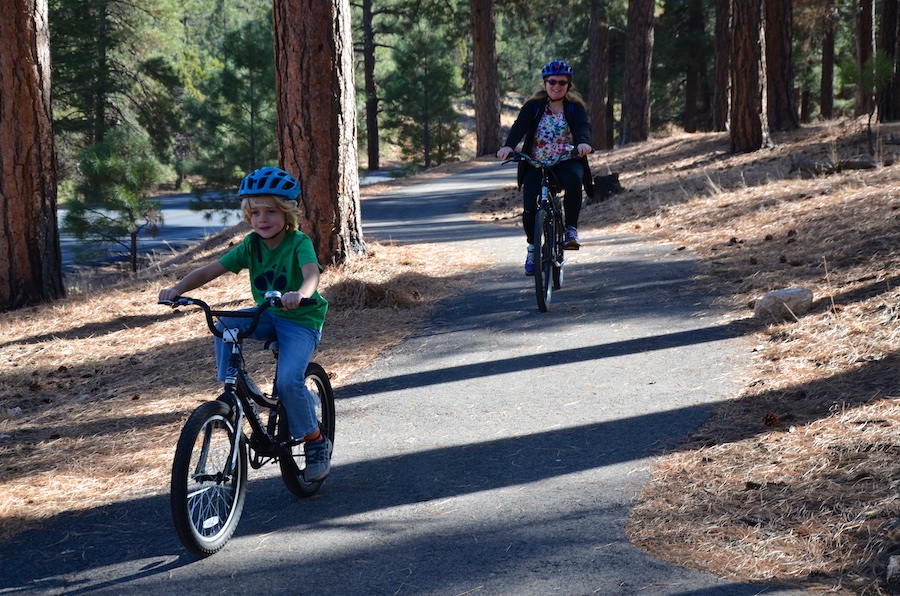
x=793, y=481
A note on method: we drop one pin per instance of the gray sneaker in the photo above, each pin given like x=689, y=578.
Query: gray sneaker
x=318, y=459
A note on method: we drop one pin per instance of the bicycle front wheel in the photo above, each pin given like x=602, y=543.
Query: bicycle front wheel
x=543, y=258
x=207, y=491
x=558, y=251
x=323, y=398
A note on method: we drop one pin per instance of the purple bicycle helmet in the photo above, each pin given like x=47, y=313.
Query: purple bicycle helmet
x=556, y=67
x=270, y=181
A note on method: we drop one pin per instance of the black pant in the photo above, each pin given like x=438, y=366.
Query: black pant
x=568, y=176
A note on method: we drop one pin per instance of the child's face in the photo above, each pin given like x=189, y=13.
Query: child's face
x=266, y=218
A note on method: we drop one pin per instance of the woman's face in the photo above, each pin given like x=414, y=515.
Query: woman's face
x=557, y=86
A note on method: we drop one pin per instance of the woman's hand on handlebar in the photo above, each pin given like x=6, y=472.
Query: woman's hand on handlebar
x=583, y=149
x=503, y=152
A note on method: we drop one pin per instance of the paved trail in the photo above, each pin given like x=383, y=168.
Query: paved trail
x=496, y=451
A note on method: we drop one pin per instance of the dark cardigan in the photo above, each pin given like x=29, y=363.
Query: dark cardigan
x=526, y=125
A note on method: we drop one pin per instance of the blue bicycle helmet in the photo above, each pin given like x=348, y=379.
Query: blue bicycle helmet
x=270, y=181
x=556, y=67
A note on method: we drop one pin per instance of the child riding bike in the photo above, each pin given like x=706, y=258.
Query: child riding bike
x=555, y=116
x=279, y=257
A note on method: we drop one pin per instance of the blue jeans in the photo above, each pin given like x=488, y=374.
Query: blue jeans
x=296, y=344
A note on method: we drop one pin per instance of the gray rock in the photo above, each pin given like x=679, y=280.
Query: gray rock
x=783, y=305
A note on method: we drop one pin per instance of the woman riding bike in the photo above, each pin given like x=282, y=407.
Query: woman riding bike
x=555, y=116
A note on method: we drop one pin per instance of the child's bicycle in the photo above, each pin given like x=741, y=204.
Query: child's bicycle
x=209, y=472
x=549, y=230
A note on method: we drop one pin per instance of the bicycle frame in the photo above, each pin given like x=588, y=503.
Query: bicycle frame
x=240, y=392
x=549, y=230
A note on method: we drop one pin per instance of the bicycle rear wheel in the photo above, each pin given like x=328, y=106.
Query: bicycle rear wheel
x=543, y=258
x=207, y=492
x=323, y=397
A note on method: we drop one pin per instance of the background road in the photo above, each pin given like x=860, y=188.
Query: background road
x=496, y=451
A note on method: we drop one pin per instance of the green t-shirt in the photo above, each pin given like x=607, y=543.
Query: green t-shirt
x=278, y=269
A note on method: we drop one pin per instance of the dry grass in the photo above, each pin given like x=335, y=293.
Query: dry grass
x=792, y=481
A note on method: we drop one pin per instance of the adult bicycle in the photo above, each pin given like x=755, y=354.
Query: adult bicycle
x=549, y=228
x=209, y=471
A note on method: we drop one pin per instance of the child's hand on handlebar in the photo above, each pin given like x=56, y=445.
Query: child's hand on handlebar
x=167, y=295
x=291, y=300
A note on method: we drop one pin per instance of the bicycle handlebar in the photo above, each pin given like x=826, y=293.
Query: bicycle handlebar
x=272, y=299
x=571, y=151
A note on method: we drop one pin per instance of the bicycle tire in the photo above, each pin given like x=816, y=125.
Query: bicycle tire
x=543, y=258
x=206, y=503
x=323, y=395
x=559, y=254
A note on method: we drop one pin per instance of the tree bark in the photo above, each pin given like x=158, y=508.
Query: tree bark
x=722, y=93
x=782, y=103
x=30, y=256
x=865, y=44
x=316, y=102
x=695, y=25
x=749, y=121
x=372, y=146
x=826, y=90
x=487, y=87
x=888, y=109
x=636, y=79
x=598, y=77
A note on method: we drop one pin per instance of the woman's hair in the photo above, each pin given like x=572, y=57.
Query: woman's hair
x=572, y=95
x=290, y=209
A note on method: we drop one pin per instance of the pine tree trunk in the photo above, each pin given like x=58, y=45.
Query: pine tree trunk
x=317, y=120
x=887, y=44
x=30, y=257
x=598, y=77
x=749, y=122
x=826, y=90
x=487, y=87
x=722, y=93
x=865, y=28
x=691, y=87
x=636, y=78
x=782, y=105
x=372, y=140
x=695, y=27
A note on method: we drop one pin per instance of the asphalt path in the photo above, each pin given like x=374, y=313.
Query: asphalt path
x=498, y=450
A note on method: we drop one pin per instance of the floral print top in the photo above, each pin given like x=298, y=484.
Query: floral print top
x=552, y=135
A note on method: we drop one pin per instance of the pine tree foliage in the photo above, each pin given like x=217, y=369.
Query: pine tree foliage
x=419, y=96
x=112, y=203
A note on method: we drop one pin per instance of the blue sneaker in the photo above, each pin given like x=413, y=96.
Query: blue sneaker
x=529, y=260
x=572, y=239
x=318, y=459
